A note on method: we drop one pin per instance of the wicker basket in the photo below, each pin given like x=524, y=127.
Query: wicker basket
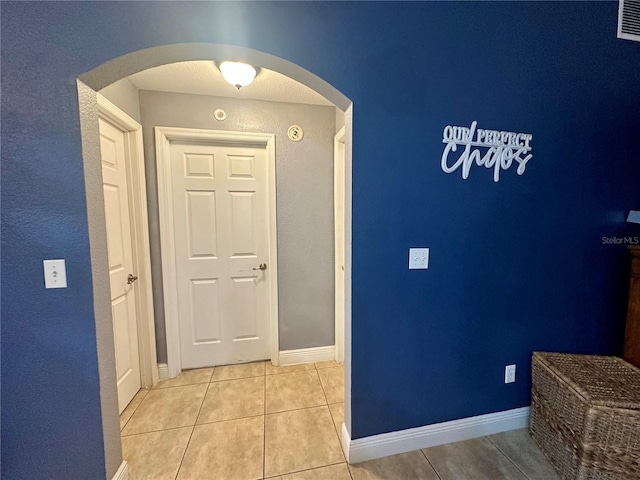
x=585, y=415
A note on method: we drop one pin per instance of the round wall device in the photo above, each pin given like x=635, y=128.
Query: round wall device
x=220, y=114
x=295, y=133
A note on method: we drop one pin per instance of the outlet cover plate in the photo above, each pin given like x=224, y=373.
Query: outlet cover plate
x=418, y=258
x=509, y=374
x=55, y=274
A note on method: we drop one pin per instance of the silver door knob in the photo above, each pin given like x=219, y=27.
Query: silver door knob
x=131, y=278
x=263, y=266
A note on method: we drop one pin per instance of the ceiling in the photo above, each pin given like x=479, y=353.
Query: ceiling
x=204, y=78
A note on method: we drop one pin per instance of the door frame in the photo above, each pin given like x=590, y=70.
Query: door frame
x=163, y=138
x=137, y=191
x=339, y=205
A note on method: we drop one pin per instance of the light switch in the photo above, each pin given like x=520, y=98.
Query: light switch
x=55, y=274
x=418, y=258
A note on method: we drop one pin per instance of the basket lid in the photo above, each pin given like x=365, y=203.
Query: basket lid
x=602, y=381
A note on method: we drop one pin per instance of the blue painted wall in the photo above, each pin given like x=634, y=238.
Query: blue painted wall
x=516, y=266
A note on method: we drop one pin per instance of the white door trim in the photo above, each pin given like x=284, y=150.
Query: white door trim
x=137, y=191
x=164, y=136
x=339, y=194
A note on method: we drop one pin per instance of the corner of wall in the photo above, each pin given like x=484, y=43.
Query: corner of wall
x=340, y=117
x=125, y=95
x=88, y=106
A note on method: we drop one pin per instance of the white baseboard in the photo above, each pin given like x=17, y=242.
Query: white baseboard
x=123, y=472
x=163, y=371
x=345, y=440
x=385, y=444
x=307, y=355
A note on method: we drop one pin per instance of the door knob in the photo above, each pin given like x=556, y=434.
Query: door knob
x=131, y=278
x=263, y=266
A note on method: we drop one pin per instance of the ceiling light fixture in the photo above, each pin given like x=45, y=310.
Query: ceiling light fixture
x=238, y=74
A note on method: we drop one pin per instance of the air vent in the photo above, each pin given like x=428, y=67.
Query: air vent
x=629, y=20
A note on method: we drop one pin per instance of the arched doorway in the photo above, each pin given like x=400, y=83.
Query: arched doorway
x=119, y=68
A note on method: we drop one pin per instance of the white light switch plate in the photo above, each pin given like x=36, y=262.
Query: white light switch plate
x=418, y=258
x=55, y=274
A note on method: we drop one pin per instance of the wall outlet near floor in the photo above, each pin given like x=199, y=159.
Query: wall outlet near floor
x=509, y=374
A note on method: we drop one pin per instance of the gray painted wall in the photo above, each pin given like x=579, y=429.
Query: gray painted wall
x=304, y=197
x=125, y=96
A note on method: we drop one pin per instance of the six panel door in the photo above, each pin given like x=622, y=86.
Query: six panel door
x=220, y=213
x=123, y=295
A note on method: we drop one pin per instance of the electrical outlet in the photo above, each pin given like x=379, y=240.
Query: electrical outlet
x=509, y=374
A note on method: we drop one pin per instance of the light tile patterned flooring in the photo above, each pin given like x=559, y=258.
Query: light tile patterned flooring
x=255, y=421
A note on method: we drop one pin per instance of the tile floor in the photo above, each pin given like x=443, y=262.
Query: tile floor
x=256, y=421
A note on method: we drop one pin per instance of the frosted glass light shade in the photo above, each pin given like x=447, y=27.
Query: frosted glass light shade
x=238, y=74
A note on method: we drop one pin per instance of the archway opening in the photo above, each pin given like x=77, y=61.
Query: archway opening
x=120, y=68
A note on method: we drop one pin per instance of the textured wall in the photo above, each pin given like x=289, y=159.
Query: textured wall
x=516, y=266
x=51, y=405
x=339, y=119
x=100, y=276
x=304, y=183
x=124, y=95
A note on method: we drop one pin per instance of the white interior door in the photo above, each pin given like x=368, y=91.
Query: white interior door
x=123, y=300
x=220, y=202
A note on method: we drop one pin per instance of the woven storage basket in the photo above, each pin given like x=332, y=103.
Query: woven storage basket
x=585, y=415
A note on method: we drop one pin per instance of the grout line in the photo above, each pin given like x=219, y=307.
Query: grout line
x=264, y=415
x=134, y=410
x=186, y=447
x=156, y=431
x=331, y=417
x=313, y=367
x=229, y=419
x=192, y=430
x=297, y=409
x=335, y=428
x=156, y=387
x=235, y=378
x=430, y=464
x=294, y=372
x=212, y=380
x=488, y=437
x=264, y=425
x=322, y=387
x=305, y=470
x=159, y=389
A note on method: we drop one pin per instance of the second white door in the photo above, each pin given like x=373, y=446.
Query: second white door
x=121, y=267
x=220, y=202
